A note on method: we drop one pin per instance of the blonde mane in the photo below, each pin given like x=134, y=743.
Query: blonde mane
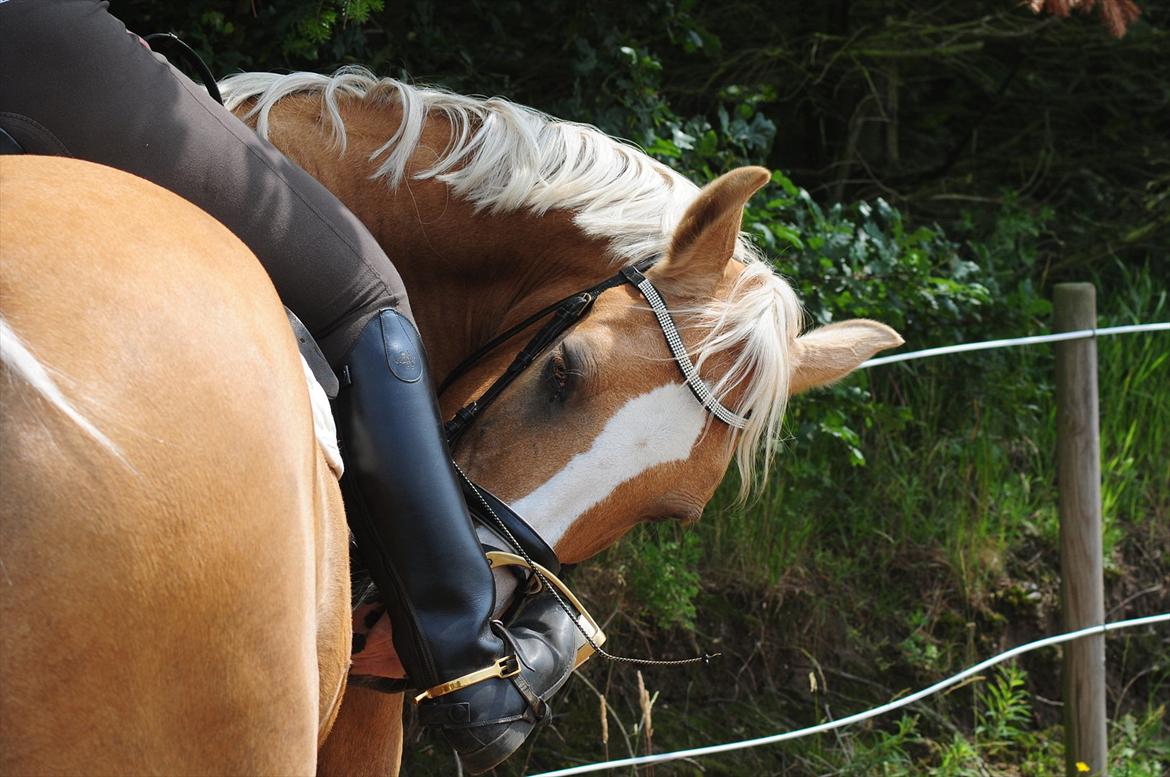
x=505, y=157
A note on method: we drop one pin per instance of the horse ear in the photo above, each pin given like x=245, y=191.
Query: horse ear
x=827, y=354
x=705, y=238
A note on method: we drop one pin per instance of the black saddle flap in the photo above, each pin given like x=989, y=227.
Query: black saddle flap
x=8, y=144
x=313, y=356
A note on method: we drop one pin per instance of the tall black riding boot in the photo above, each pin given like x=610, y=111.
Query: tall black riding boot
x=412, y=528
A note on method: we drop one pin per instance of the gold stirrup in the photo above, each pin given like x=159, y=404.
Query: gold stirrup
x=509, y=666
x=498, y=558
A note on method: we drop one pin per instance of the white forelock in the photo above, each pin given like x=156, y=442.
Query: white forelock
x=505, y=157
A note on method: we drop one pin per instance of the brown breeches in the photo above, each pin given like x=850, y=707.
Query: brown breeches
x=73, y=82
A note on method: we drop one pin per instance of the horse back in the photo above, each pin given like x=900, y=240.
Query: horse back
x=170, y=540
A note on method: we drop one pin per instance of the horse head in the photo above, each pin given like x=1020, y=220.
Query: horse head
x=491, y=210
x=603, y=432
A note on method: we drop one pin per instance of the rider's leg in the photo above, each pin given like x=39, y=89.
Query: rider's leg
x=398, y=462
x=75, y=83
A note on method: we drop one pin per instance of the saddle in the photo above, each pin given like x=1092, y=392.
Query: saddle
x=313, y=356
x=8, y=144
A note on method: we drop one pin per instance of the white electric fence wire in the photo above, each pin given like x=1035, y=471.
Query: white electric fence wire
x=857, y=718
x=1079, y=334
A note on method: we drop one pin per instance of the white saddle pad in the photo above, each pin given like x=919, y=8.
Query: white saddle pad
x=323, y=425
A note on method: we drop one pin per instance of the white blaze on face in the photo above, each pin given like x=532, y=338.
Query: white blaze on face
x=654, y=428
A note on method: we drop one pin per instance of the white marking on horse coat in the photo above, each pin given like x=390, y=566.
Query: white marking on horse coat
x=654, y=428
x=22, y=362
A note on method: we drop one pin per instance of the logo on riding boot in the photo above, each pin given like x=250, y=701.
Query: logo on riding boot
x=404, y=360
x=402, y=356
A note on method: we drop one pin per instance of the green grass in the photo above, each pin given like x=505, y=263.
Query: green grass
x=1003, y=741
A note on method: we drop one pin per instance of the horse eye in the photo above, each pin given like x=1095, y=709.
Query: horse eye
x=557, y=373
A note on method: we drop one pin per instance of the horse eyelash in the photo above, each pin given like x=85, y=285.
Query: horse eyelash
x=558, y=374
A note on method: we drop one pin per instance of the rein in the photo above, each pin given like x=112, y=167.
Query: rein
x=564, y=314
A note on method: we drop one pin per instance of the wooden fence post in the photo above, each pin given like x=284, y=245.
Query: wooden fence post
x=1082, y=589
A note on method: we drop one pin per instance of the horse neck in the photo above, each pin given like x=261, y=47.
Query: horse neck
x=469, y=275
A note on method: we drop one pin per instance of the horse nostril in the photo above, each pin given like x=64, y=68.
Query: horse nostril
x=684, y=515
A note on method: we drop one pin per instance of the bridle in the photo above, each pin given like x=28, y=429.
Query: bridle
x=564, y=314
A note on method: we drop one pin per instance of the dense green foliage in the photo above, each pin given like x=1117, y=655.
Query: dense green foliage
x=956, y=110
x=942, y=165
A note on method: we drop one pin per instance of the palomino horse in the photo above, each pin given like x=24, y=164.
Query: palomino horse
x=174, y=570
x=490, y=212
